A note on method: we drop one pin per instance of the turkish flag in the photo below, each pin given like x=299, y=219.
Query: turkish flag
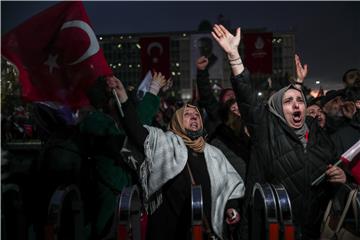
x=351, y=159
x=258, y=52
x=155, y=55
x=57, y=55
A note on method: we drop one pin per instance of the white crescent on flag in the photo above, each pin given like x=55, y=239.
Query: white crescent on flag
x=152, y=45
x=94, y=44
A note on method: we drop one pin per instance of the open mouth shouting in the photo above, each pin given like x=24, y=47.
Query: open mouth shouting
x=194, y=126
x=297, y=119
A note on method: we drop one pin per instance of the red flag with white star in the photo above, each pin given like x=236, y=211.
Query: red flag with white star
x=57, y=55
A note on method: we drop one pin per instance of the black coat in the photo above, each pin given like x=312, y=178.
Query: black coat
x=235, y=148
x=278, y=156
x=348, y=135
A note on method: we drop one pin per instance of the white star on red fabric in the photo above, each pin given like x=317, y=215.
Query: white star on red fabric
x=51, y=62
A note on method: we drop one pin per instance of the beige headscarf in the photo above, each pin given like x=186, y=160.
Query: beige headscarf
x=177, y=127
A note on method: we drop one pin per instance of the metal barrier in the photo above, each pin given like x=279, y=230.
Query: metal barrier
x=287, y=229
x=264, y=213
x=127, y=220
x=57, y=228
x=196, y=212
x=128, y=214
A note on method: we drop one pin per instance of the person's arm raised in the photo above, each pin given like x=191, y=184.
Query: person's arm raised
x=158, y=81
x=301, y=72
x=229, y=43
x=114, y=83
x=241, y=77
x=207, y=98
x=132, y=126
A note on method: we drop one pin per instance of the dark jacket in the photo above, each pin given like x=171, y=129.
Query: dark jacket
x=348, y=135
x=235, y=148
x=102, y=140
x=208, y=101
x=278, y=156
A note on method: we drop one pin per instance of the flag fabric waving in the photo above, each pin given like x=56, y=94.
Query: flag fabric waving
x=57, y=55
x=351, y=159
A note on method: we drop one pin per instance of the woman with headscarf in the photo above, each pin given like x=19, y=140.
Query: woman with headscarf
x=173, y=161
x=286, y=149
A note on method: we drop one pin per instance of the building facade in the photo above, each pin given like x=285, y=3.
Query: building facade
x=123, y=53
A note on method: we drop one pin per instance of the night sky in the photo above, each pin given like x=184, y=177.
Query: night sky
x=327, y=33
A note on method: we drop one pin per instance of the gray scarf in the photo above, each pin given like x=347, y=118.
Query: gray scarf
x=275, y=106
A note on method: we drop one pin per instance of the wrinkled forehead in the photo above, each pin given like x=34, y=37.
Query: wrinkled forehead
x=292, y=93
x=190, y=109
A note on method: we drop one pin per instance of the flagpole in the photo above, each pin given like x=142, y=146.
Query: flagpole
x=319, y=179
x=118, y=103
x=347, y=156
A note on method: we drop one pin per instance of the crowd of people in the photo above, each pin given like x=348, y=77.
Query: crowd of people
x=226, y=144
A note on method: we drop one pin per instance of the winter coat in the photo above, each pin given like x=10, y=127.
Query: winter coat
x=235, y=148
x=279, y=157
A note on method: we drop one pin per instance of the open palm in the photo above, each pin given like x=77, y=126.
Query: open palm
x=301, y=70
x=225, y=39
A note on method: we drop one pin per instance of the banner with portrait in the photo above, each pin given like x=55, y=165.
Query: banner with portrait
x=205, y=45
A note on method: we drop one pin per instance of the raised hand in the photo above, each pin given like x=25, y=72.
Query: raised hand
x=201, y=63
x=158, y=81
x=349, y=109
x=228, y=42
x=168, y=85
x=114, y=83
x=301, y=70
